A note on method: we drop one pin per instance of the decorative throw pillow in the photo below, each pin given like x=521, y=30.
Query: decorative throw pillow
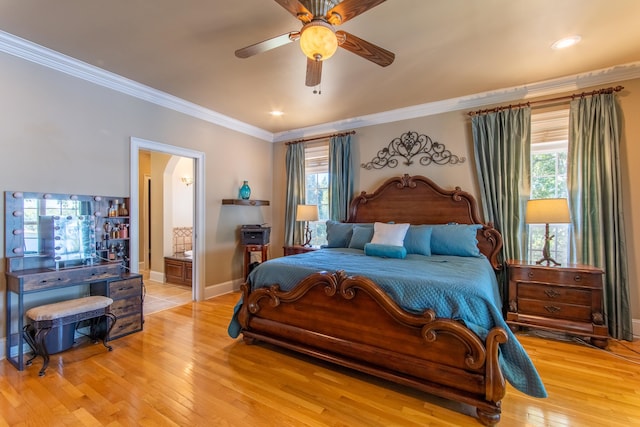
x=385, y=251
x=418, y=240
x=361, y=235
x=389, y=234
x=338, y=234
x=455, y=239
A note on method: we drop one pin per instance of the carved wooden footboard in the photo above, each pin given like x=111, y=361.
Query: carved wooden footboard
x=436, y=355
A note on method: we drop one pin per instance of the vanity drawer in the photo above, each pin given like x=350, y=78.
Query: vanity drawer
x=125, y=326
x=125, y=307
x=125, y=288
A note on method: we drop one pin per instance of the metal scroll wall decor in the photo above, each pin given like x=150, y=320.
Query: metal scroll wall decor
x=409, y=145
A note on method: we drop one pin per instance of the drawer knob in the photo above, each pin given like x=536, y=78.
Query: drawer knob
x=552, y=293
x=530, y=274
x=577, y=278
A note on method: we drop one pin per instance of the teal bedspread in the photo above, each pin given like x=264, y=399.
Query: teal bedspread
x=460, y=288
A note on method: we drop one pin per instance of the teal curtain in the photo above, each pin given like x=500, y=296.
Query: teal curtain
x=502, y=145
x=340, y=177
x=293, y=230
x=595, y=201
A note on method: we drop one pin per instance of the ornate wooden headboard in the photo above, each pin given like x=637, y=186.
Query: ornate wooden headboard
x=418, y=200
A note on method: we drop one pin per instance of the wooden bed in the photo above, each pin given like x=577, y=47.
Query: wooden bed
x=436, y=355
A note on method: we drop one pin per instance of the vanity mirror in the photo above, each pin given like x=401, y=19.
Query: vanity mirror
x=44, y=230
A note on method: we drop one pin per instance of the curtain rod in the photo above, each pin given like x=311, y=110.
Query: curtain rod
x=315, y=138
x=547, y=102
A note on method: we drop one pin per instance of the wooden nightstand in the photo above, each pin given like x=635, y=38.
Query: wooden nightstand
x=298, y=249
x=564, y=298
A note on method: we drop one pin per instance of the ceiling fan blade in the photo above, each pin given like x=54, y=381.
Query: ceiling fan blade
x=268, y=44
x=365, y=49
x=349, y=9
x=297, y=9
x=314, y=72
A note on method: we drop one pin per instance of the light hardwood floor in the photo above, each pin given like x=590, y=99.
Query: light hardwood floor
x=183, y=370
x=161, y=296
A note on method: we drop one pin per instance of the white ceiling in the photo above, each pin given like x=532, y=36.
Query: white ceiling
x=444, y=49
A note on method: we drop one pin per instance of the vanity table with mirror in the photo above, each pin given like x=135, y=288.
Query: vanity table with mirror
x=63, y=246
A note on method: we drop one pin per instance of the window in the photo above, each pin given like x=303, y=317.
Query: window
x=317, y=188
x=549, y=145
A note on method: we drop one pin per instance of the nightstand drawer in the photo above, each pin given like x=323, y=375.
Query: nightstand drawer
x=575, y=278
x=559, y=294
x=554, y=309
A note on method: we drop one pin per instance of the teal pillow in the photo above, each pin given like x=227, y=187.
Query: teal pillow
x=338, y=234
x=418, y=240
x=455, y=239
x=361, y=235
x=385, y=251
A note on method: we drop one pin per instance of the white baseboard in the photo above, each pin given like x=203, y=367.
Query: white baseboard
x=156, y=276
x=222, y=288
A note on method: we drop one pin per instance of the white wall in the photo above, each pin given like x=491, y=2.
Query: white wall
x=182, y=204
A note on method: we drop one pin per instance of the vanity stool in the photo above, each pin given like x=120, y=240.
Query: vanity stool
x=45, y=317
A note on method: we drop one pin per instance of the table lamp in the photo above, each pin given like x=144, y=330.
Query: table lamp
x=307, y=213
x=547, y=211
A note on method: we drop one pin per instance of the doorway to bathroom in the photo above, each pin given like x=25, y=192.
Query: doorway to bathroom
x=173, y=173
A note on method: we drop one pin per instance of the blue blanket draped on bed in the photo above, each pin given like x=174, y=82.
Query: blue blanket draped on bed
x=460, y=288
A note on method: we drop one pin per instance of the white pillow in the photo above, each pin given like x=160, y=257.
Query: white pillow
x=389, y=234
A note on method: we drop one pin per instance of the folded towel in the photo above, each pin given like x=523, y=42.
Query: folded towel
x=188, y=253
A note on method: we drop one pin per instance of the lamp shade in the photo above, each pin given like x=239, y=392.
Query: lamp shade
x=307, y=213
x=547, y=211
x=318, y=40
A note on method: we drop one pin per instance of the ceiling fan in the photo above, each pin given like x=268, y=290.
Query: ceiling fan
x=318, y=39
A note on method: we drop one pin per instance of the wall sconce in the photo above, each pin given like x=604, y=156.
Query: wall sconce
x=547, y=211
x=187, y=180
x=307, y=213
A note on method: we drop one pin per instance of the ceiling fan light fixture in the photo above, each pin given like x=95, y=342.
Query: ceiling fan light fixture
x=318, y=40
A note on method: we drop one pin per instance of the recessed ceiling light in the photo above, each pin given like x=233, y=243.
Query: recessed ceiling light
x=566, y=42
x=276, y=113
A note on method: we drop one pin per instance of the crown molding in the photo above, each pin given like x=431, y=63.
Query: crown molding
x=32, y=52
x=576, y=82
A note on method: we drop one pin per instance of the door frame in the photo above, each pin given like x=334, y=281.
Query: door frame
x=198, y=157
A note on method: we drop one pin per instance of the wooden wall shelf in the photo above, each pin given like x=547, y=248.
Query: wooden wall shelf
x=242, y=202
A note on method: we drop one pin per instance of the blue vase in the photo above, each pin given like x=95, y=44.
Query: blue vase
x=245, y=191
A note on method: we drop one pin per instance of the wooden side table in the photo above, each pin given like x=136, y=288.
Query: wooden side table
x=298, y=249
x=563, y=298
x=264, y=251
